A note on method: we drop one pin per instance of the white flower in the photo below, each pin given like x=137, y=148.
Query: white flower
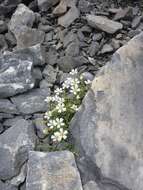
x=87, y=82
x=74, y=107
x=48, y=115
x=58, y=91
x=59, y=122
x=51, y=124
x=59, y=135
x=61, y=108
x=48, y=99
x=75, y=89
x=75, y=82
x=77, y=97
x=73, y=72
x=67, y=83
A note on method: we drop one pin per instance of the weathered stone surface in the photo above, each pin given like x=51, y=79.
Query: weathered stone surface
x=44, y=5
x=23, y=16
x=68, y=18
x=91, y=185
x=31, y=102
x=14, y=146
x=29, y=37
x=55, y=170
x=104, y=24
x=108, y=127
x=5, y=186
x=15, y=74
x=36, y=53
x=7, y=107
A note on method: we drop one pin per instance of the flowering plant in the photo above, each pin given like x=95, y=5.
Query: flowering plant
x=63, y=104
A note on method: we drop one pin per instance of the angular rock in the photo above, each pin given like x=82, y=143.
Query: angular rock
x=40, y=126
x=23, y=16
x=15, y=75
x=136, y=21
x=3, y=27
x=55, y=170
x=7, y=107
x=67, y=63
x=14, y=146
x=107, y=48
x=50, y=74
x=36, y=53
x=104, y=24
x=108, y=127
x=29, y=37
x=31, y=102
x=124, y=13
x=61, y=8
x=68, y=18
x=44, y=5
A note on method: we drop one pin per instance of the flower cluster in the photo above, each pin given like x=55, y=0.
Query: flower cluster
x=63, y=104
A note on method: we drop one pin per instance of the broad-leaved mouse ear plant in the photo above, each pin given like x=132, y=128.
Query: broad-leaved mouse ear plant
x=63, y=104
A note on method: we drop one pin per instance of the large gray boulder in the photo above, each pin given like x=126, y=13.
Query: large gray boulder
x=52, y=171
x=15, y=143
x=108, y=127
x=7, y=107
x=15, y=74
x=104, y=24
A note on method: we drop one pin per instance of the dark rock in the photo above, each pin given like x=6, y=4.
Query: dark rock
x=51, y=56
x=67, y=63
x=7, y=107
x=70, y=37
x=31, y=102
x=15, y=75
x=1, y=128
x=124, y=14
x=54, y=170
x=94, y=48
x=3, y=44
x=104, y=24
x=40, y=126
x=3, y=27
x=107, y=129
x=14, y=146
x=10, y=38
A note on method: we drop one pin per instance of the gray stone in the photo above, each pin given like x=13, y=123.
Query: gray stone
x=107, y=48
x=67, y=63
x=104, y=24
x=55, y=170
x=44, y=5
x=7, y=107
x=51, y=56
x=31, y=102
x=107, y=129
x=15, y=74
x=23, y=16
x=9, y=122
x=124, y=13
x=94, y=48
x=73, y=49
x=3, y=26
x=50, y=74
x=88, y=76
x=40, y=126
x=10, y=38
x=68, y=18
x=1, y=128
x=3, y=44
x=36, y=53
x=29, y=37
x=5, y=186
x=14, y=146
x=91, y=185
x=136, y=21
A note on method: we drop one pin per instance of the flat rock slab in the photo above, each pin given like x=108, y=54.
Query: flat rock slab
x=108, y=127
x=14, y=146
x=104, y=24
x=7, y=107
x=31, y=102
x=52, y=171
x=15, y=74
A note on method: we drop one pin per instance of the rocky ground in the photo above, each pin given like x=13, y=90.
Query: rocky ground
x=41, y=41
